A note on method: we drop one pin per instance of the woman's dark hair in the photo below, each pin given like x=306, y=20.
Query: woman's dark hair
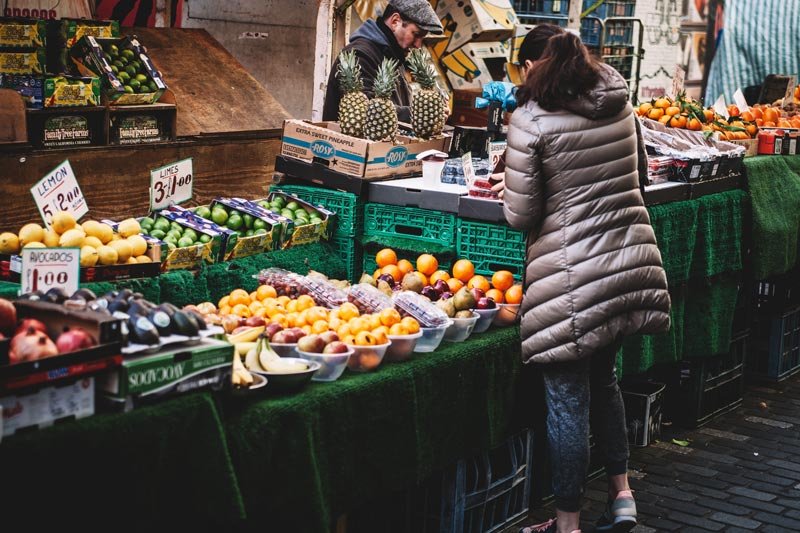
x=535, y=41
x=565, y=70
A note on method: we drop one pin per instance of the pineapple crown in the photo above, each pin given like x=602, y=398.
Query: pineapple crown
x=385, y=78
x=419, y=62
x=349, y=72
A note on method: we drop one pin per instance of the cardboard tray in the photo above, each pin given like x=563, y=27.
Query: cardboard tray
x=713, y=186
x=107, y=354
x=662, y=193
x=413, y=192
x=481, y=209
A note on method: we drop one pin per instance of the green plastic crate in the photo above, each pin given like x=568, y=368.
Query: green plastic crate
x=351, y=253
x=348, y=207
x=491, y=247
x=424, y=225
x=369, y=264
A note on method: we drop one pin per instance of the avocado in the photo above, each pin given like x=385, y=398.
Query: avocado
x=142, y=331
x=184, y=325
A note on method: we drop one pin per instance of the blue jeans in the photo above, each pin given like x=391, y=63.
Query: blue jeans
x=573, y=390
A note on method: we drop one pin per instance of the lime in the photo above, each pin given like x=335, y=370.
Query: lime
x=171, y=246
x=189, y=232
x=176, y=226
x=123, y=76
x=279, y=200
x=115, y=69
x=135, y=63
x=264, y=204
x=219, y=215
x=248, y=233
x=259, y=224
x=248, y=220
x=135, y=84
x=260, y=231
x=141, y=78
x=158, y=234
x=143, y=89
x=162, y=224
x=128, y=89
x=287, y=213
x=153, y=86
x=112, y=50
x=174, y=234
x=203, y=212
x=292, y=205
x=117, y=63
x=235, y=221
x=131, y=70
x=185, y=242
x=170, y=239
x=204, y=238
x=147, y=222
x=129, y=54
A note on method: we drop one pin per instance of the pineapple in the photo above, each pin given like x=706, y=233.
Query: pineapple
x=427, y=107
x=381, y=124
x=353, y=105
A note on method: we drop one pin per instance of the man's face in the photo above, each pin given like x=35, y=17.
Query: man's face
x=407, y=34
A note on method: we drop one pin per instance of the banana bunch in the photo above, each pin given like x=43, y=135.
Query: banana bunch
x=241, y=376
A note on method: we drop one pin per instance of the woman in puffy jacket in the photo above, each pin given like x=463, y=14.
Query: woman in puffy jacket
x=593, y=272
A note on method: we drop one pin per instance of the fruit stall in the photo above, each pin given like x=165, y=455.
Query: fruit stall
x=301, y=349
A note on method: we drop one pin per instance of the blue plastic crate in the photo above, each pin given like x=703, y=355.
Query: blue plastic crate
x=618, y=33
x=491, y=247
x=591, y=28
x=776, y=346
x=611, y=8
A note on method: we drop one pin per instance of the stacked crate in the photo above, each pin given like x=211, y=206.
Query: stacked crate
x=775, y=353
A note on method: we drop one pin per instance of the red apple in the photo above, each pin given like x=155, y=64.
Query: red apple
x=272, y=328
x=254, y=321
x=311, y=343
x=284, y=337
x=329, y=337
x=336, y=347
x=477, y=293
x=485, y=303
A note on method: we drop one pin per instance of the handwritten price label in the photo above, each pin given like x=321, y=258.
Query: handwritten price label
x=677, y=81
x=171, y=184
x=469, y=170
x=59, y=191
x=45, y=268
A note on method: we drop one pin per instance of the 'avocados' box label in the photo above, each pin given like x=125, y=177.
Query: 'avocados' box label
x=69, y=130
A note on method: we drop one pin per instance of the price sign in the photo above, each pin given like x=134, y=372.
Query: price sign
x=469, y=170
x=45, y=268
x=677, y=81
x=720, y=107
x=740, y=101
x=59, y=191
x=788, y=98
x=171, y=184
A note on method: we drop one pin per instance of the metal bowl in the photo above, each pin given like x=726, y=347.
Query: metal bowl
x=259, y=386
x=291, y=382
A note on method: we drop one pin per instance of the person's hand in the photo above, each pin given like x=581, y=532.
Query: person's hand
x=500, y=186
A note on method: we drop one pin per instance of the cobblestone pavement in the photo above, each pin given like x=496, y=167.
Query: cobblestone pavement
x=740, y=472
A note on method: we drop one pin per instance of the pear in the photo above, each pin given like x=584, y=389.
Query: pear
x=366, y=278
x=384, y=288
x=447, y=306
x=463, y=299
x=412, y=282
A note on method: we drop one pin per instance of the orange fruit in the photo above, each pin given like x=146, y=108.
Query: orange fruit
x=242, y=310
x=514, y=295
x=709, y=114
x=348, y=339
x=496, y=295
x=463, y=270
x=381, y=334
x=348, y=310
x=665, y=119
x=480, y=282
x=439, y=274
x=757, y=113
x=358, y=324
x=385, y=257
x=284, y=300
x=343, y=331
x=502, y=280
x=253, y=296
x=427, y=264
x=771, y=115
x=304, y=301
x=224, y=302
x=405, y=266
x=410, y=324
x=374, y=321
x=319, y=326
x=255, y=306
x=293, y=306
x=280, y=319
x=733, y=111
x=316, y=314
x=694, y=125
x=656, y=113
x=398, y=329
x=306, y=329
x=644, y=108
x=662, y=103
x=748, y=116
x=366, y=338
x=266, y=291
x=672, y=110
x=393, y=271
x=678, y=121
x=295, y=320
x=390, y=317
x=261, y=312
x=225, y=310
x=239, y=296
x=454, y=284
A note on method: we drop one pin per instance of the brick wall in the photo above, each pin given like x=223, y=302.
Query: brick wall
x=661, y=19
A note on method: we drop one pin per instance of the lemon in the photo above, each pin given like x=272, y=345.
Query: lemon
x=132, y=261
x=129, y=227
x=31, y=233
x=51, y=238
x=9, y=243
x=62, y=222
x=35, y=244
x=72, y=238
x=91, y=228
x=116, y=237
x=123, y=248
x=92, y=241
x=89, y=256
x=138, y=244
x=104, y=233
x=107, y=255
x=143, y=259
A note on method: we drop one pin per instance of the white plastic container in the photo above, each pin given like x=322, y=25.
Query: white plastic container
x=431, y=338
x=367, y=358
x=402, y=346
x=285, y=350
x=507, y=315
x=461, y=328
x=486, y=316
x=332, y=365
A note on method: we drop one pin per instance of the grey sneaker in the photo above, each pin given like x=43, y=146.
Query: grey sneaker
x=620, y=515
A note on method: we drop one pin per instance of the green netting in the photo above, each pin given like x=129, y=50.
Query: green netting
x=793, y=162
x=719, y=234
x=675, y=226
x=149, y=287
x=775, y=198
x=709, y=316
x=182, y=287
x=338, y=444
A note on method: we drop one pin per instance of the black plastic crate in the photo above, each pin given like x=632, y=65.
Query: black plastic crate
x=775, y=353
x=743, y=312
x=622, y=64
x=482, y=494
x=542, y=7
x=711, y=386
x=777, y=294
x=643, y=403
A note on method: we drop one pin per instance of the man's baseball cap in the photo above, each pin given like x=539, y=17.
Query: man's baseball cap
x=420, y=13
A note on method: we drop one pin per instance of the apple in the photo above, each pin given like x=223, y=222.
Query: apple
x=284, y=337
x=485, y=303
x=329, y=337
x=311, y=343
x=477, y=293
x=446, y=295
x=388, y=279
x=298, y=333
x=430, y=293
x=271, y=329
x=336, y=347
x=254, y=321
x=441, y=286
x=240, y=329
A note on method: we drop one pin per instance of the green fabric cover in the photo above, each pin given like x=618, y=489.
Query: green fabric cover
x=709, y=316
x=793, y=162
x=304, y=459
x=149, y=287
x=166, y=462
x=675, y=226
x=718, y=248
x=775, y=193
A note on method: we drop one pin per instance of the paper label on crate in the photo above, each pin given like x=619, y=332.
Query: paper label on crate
x=469, y=170
x=171, y=184
x=59, y=191
x=788, y=97
x=677, y=81
x=740, y=101
x=720, y=107
x=46, y=268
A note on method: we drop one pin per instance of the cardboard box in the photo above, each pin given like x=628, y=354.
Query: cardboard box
x=46, y=406
x=169, y=372
x=195, y=256
x=307, y=233
x=142, y=124
x=63, y=126
x=475, y=64
x=520, y=31
x=90, y=57
x=22, y=33
x=477, y=20
x=72, y=30
x=29, y=61
x=243, y=246
x=71, y=91
x=324, y=144
x=30, y=87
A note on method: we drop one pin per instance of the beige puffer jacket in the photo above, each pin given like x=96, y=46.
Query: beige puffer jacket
x=593, y=271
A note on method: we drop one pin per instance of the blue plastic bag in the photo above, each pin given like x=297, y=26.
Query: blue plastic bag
x=498, y=91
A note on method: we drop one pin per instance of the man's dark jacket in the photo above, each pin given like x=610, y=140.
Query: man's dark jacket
x=372, y=42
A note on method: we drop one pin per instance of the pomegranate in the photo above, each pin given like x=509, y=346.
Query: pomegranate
x=8, y=316
x=30, y=345
x=72, y=340
x=31, y=323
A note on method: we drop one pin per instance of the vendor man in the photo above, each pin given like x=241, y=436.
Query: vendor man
x=402, y=27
